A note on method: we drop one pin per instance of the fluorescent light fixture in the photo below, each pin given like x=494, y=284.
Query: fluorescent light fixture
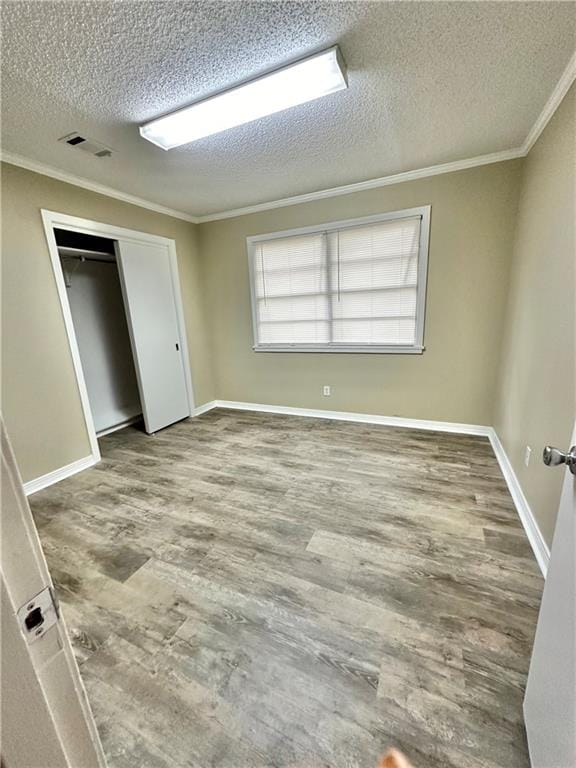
x=294, y=84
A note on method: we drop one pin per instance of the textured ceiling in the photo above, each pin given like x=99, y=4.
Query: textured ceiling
x=429, y=83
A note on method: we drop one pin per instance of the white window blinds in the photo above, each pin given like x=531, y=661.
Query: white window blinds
x=292, y=290
x=341, y=288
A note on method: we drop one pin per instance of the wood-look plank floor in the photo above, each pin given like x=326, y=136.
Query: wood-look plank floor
x=250, y=590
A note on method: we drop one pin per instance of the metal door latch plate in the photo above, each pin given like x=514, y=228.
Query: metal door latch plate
x=37, y=615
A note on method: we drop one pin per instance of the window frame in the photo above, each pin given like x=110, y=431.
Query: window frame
x=335, y=347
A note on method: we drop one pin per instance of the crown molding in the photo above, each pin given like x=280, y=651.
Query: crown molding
x=561, y=89
x=362, y=186
x=101, y=189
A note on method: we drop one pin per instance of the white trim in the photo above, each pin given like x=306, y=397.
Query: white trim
x=566, y=79
x=204, y=408
x=92, y=186
x=335, y=347
x=422, y=279
x=118, y=427
x=362, y=418
x=32, y=486
x=422, y=213
x=531, y=528
x=51, y=220
x=101, y=229
x=561, y=89
x=361, y=186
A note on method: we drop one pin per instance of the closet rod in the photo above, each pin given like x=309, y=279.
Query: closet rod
x=84, y=254
x=80, y=257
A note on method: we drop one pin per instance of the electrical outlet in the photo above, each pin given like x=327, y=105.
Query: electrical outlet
x=327, y=391
x=527, y=453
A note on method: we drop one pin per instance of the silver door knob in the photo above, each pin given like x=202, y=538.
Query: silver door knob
x=552, y=457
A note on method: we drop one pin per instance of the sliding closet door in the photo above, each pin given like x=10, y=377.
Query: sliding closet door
x=147, y=285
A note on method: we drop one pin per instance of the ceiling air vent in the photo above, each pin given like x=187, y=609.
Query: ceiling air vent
x=76, y=141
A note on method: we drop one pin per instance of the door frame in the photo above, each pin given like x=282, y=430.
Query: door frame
x=54, y=220
x=50, y=706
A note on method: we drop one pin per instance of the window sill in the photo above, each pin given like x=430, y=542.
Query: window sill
x=373, y=349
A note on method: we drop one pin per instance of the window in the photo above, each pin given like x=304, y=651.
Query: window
x=350, y=286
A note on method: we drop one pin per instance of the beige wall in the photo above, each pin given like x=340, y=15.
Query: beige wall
x=472, y=225
x=502, y=256
x=40, y=398
x=537, y=388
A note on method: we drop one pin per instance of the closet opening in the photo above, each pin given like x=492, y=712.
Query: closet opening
x=121, y=301
x=94, y=292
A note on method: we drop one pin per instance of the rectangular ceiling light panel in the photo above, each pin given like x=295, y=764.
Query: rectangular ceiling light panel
x=295, y=84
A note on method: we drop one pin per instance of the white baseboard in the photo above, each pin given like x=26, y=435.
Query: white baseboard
x=32, y=486
x=58, y=474
x=533, y=533
x=531, y=528
x=204, y=408
x=363, y=418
